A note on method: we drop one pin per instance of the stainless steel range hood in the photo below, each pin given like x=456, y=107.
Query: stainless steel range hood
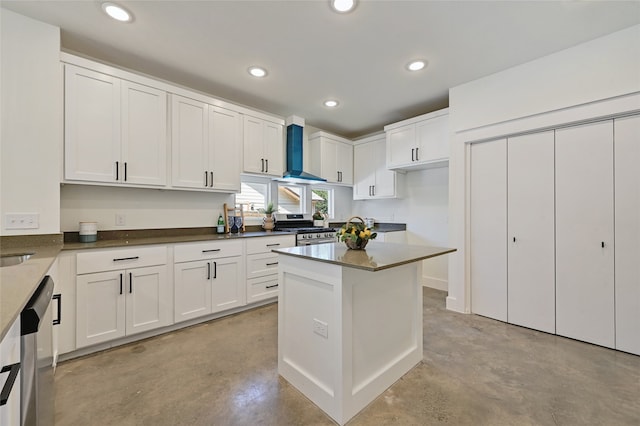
x=295, y=172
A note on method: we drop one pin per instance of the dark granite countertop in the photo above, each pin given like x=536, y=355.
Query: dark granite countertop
x=376, y=257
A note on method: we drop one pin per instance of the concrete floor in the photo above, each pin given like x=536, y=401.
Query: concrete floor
x=476, y=371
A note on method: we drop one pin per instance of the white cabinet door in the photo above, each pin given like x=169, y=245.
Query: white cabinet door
x=627, y=233
x=364, y=171
x=144, y=135
x=344, y=163
x=253, y=156
x=225, y=149
x=329, y=160
x=584, y=233
x=401, y=146
x=489, y=229
x=227, y=284
x=273, y=149
x=190, y=143
x=432, y=140
x=385, y=179
x=148, y=301
x=262, y=288
x=100, y=307
x=92, y=126
x=192, y=290
x=531, y=233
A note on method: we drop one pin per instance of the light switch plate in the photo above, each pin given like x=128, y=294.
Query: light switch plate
x=22, y=221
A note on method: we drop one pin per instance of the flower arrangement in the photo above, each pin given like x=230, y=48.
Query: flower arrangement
x=356, y=235
x=268, y=210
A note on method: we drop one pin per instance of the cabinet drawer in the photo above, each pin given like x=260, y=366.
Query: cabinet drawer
x=266, y=244
x=262, y=288
x=206, y=250
x=135, y=257
x=262, y=264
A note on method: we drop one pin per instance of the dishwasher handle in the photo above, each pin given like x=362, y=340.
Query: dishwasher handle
x=58, y=298
x=33, y=313
x=13, y=370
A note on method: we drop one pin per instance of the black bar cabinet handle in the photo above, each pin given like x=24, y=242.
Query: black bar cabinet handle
x=266, y=169
x=125, y=171
x=262, y=169
x=603, y=244
x=208, y=270
x=215, y=270
x=273, y=245
x=272, y=286
x=412, y=154
x=117, y=169
x=211, y=183
x=120, y=283
x=13, y=370
x=126, y=258
x=130, y=282
x=206, y=179
x=209, y=251
x=417, y=154
x=514, y=239
x=272, y=263
x=58, y=298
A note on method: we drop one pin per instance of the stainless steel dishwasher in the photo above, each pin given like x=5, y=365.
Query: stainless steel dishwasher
x=37, y=357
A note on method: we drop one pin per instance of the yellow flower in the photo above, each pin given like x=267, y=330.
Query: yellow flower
x=342, y=231
x=353, y=230
x=362, y=234
x=367, y=232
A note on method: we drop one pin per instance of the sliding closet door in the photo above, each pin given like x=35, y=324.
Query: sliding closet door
x=627, y=195
x=585, y=233
x=531, y=233
x=489, y=229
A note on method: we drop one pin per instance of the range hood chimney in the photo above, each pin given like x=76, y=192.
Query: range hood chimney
x=294, y=173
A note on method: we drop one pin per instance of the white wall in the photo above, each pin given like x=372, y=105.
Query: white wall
x=424, y=208
x=31, y=111
x=528, y=97
x=143, y=208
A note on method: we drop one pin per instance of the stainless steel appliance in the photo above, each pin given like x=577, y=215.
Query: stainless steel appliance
x=302, y=225
x=36, y=330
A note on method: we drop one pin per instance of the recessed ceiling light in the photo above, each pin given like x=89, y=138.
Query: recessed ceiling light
x=343, y=6
x=416, y=65
x=257, y=72
x=116, y=12
x=331, y=103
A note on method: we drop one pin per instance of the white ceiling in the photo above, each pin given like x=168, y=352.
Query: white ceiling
x=313, y=54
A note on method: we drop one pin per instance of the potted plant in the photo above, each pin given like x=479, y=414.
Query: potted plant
x=267, y=222
x=318, y=219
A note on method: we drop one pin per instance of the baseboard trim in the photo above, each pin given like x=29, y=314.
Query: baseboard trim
x=437, y=283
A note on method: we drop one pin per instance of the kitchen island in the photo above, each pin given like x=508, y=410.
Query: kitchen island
x=349, y=321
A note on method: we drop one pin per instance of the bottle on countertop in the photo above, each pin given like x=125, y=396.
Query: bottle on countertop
x=220, y=224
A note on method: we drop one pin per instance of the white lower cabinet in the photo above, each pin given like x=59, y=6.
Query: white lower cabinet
x=120, y=302
x=209, y=278
x=262, y=266
x=10, y=376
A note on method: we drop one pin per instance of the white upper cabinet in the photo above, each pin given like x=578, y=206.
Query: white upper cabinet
x=205, y=146
x=263, y=147
x=372, y=179
x=331, y=157
x=115, y=130
x=419, y=143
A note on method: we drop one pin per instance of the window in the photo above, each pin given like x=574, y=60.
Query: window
x=322, y=201
x=253, y=196
x=291, y=198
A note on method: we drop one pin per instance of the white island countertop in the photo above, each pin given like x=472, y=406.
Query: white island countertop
x=376, y=257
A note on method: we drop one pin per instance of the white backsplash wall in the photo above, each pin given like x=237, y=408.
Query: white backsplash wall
x=142, y=208
x=424, y=208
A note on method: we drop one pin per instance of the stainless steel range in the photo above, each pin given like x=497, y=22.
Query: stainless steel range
x=302, y=225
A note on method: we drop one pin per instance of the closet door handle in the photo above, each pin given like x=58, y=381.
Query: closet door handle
x=130, y=282
x=117, y=169
x=120, y=283
x=13, y=370
x=58, y=298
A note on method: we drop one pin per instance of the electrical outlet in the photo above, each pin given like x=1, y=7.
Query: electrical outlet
x=22, y=221
x=321, y=328
x=121, y=219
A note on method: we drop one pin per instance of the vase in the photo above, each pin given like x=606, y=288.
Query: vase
x=267, y=223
